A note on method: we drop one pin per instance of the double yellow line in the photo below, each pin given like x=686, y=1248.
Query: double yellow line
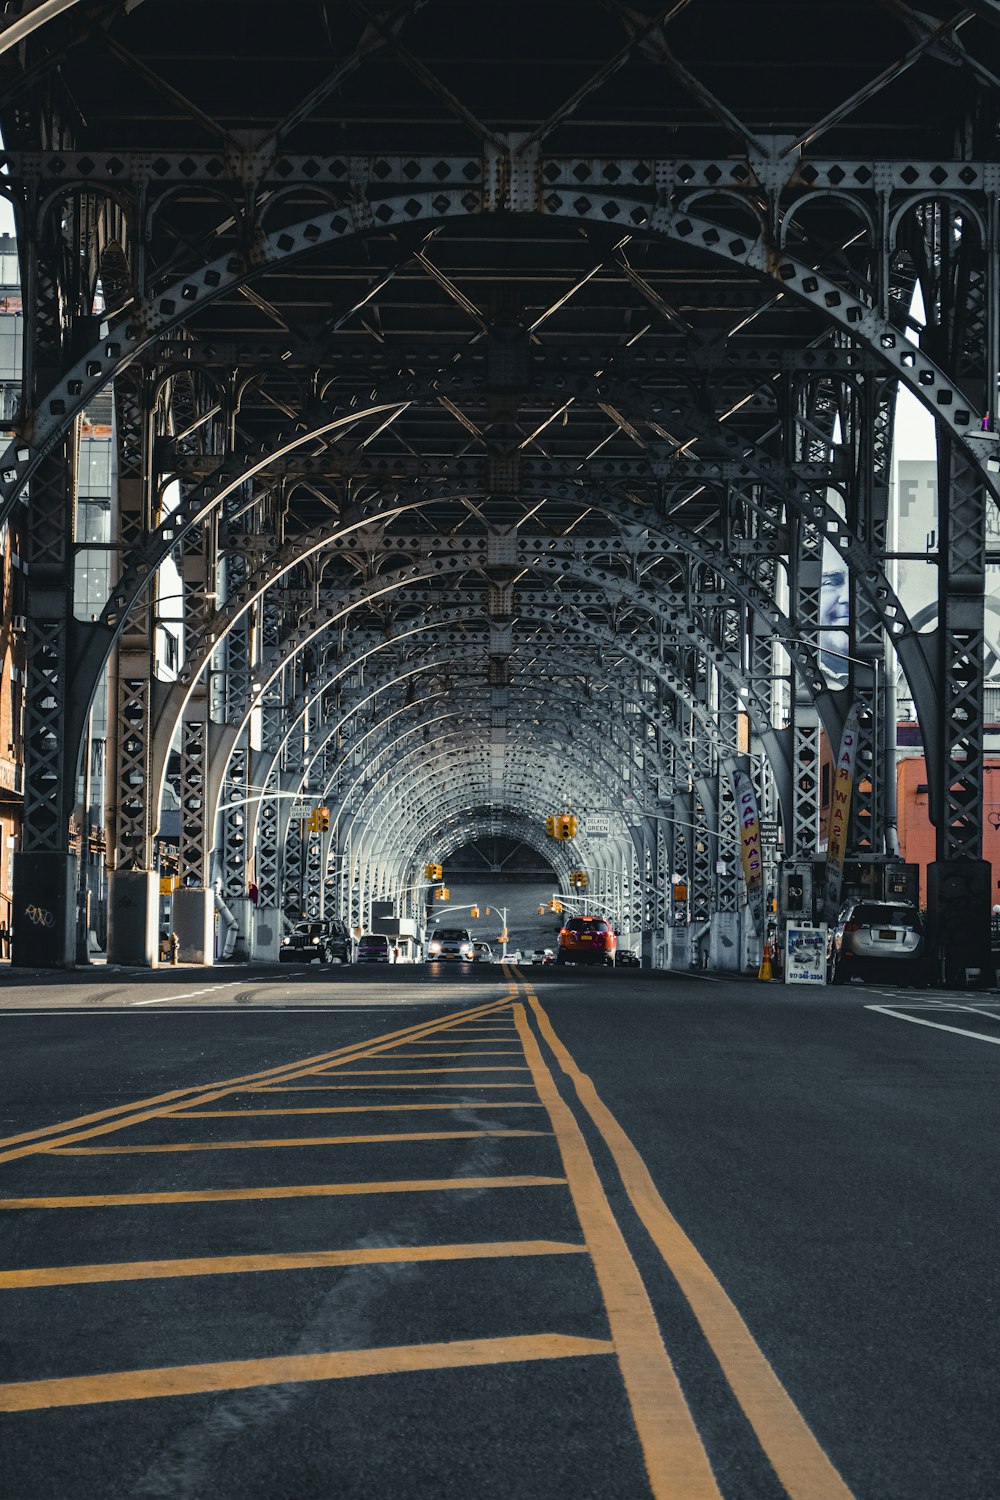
x=675, y=1460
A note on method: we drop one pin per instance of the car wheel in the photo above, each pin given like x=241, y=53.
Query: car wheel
x=560, y=958
x=837, y=975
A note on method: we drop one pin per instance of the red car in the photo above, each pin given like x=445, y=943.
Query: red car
x=587, y=940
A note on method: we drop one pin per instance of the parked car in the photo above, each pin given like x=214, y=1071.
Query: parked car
x=375, y=948
x=587, y=940
x=626, y=959
x=451, y=944
x=878, y=940
x=484, y=953
x=325, y=939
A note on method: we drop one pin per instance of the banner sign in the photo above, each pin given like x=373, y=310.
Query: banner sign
x=805, y=953
x=750, y=850
x=840, y=811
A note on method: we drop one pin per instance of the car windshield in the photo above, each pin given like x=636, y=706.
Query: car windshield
x=310, y=929
x=873, y=913
x=452, y=935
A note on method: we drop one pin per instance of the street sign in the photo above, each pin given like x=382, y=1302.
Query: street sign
x=301, y=810
x=597, y=826
x=768, y=828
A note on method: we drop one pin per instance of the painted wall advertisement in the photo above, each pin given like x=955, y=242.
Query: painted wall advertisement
x=805, y=953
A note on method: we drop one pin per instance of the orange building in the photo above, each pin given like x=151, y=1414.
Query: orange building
x=917, y=833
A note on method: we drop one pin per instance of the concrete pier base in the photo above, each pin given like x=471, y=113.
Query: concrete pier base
x=194, y=924
x=265, y=934
x=133, y=917
x=43, y=913
x=724, y=948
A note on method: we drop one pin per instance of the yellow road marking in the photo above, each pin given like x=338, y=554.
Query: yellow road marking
x=382, y=1072
x=348, y=1364
x=314, y=1140
x=119, y=1117
x=412, y=1056
x=313, y=1190
x=306, y=1260
x=796, y=1456
x=367, y=1088
x=676, y=1461
x=352, y=1109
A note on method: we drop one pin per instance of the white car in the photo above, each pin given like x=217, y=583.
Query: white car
x=451, y=945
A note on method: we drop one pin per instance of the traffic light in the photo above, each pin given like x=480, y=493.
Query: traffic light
x=578, y=880
x=542, y=910
x=473, y=911
x=312, y=822
x=550, y=828
x=323, y=820
x=442, y=893
x=555, y=905
x=566, y=826
x=433, y=872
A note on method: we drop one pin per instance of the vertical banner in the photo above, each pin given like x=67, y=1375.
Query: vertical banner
x=840, y=811
x=750, y=850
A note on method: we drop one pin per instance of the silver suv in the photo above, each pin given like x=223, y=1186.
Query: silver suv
x=878, y=940
x=451, y=944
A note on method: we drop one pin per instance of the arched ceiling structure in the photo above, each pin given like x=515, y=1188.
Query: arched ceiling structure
x=506, y=363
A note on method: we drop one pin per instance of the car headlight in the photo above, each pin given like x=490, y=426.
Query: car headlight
x=314, y=941
x=285, y=942
x=468, y=951
x=434, y=948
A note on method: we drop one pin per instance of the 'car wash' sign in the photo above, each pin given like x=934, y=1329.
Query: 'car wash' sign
x=750, y=850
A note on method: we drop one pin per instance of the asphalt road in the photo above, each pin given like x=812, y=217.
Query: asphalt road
x=394, y=1233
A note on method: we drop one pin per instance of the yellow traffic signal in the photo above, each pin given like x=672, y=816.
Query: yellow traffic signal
x=312, y=822
x=578, y=880
x=473, y=911
x=555, y=905
x=442, y=893
x=550, y=828
x=433, y=872
x=566, y=826
x=323, y=820
x=487, y=911
x=542, y=910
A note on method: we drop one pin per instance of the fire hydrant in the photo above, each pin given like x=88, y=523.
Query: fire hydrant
x=172, y=947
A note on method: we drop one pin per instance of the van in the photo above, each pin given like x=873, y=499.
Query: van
x=375, y=948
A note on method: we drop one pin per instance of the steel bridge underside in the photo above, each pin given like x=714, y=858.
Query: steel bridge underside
x=497, y=381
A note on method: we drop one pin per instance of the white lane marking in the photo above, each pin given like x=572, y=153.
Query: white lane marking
x=189, y=994
x=978, y=1036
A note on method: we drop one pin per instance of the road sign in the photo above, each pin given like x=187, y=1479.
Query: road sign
x=301, y=810
x=768, y=828
x=597, y=826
